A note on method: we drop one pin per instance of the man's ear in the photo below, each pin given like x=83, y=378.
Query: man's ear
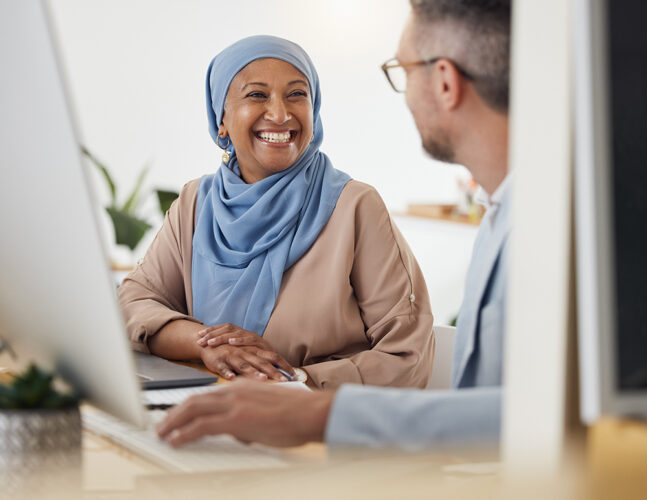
x=449, y=85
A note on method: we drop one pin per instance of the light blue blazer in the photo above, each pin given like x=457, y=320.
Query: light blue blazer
x=469, y=413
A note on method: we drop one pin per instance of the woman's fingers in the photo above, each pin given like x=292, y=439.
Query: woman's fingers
x=276, y=360
x=250, y=362
x=238, y=338
x=223, y=370
x=213, y=331
x=214, y=336
x=263, y=366
x=254, y=340
x=228, y=361
x=217, y=360
x=242, y=366
x=243, y=352
x=214, y=340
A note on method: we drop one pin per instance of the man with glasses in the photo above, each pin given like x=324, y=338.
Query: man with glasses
x=452, y=65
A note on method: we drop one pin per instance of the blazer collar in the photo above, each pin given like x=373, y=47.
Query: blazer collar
x=487, y=248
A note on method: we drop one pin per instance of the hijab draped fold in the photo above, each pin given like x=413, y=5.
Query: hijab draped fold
x=247, y=235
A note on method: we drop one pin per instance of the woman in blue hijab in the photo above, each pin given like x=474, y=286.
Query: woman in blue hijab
x=278, y=260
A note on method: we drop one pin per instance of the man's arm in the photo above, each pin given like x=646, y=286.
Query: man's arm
x=355, y=415
x=414, y=419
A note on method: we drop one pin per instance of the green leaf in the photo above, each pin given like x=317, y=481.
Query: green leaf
x=32, y=386
x=129, y=230
x=106, y=175
x=166, y=198
x=34, y=389
x=55, y=401
x=7, y=397
x=131, y=203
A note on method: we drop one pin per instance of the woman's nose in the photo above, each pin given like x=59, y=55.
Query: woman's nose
x=276, y=111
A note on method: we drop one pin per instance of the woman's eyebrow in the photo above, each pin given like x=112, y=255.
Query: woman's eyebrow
x=254, y=83
x=262, y=84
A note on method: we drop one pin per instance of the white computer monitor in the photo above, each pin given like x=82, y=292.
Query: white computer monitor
x=611, y=205
x=57, y=301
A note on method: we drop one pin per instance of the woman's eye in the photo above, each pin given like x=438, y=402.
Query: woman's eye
x=256, y=95
x=299, y=93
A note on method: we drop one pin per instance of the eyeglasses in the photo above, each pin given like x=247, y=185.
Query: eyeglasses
x=396, y=73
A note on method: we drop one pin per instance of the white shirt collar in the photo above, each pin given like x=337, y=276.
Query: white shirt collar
x=492, y=203
x=488, y=201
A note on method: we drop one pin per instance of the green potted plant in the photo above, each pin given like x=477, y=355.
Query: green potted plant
x=129, y=228
x=40, y=431
x=165, y=198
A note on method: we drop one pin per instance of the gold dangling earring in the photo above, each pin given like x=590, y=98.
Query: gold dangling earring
x=225, y=156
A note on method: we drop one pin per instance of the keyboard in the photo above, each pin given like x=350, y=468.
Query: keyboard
x=212, y=453
x=170, y=397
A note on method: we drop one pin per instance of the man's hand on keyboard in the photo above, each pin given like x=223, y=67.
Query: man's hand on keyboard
x=250, y=412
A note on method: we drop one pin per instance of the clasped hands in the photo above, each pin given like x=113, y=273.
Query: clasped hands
x=229, y=350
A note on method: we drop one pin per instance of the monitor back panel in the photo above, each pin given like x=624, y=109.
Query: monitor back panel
x=57, y=302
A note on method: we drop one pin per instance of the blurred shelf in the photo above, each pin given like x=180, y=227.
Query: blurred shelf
x=444, y=212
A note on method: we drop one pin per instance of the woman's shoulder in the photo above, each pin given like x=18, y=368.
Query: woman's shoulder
x=182, y=210
x=190, y=189
x=185, y=202
x=357, y=195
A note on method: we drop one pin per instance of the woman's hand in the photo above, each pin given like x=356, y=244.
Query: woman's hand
x=230, y=349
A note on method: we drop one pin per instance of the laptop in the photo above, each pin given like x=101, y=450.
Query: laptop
x=154, y=372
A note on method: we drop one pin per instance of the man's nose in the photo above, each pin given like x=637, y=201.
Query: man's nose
x=277, y=111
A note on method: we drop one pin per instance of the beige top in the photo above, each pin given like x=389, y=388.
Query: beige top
x=354, y=308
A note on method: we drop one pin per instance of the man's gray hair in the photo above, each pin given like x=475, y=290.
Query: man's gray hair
x=480, y=30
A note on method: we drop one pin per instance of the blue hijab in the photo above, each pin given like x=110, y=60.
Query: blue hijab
x=247, y=235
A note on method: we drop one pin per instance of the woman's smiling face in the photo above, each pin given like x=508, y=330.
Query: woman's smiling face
x=268, y=117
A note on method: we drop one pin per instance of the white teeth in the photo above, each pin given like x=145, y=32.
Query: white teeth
x=275, y=137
